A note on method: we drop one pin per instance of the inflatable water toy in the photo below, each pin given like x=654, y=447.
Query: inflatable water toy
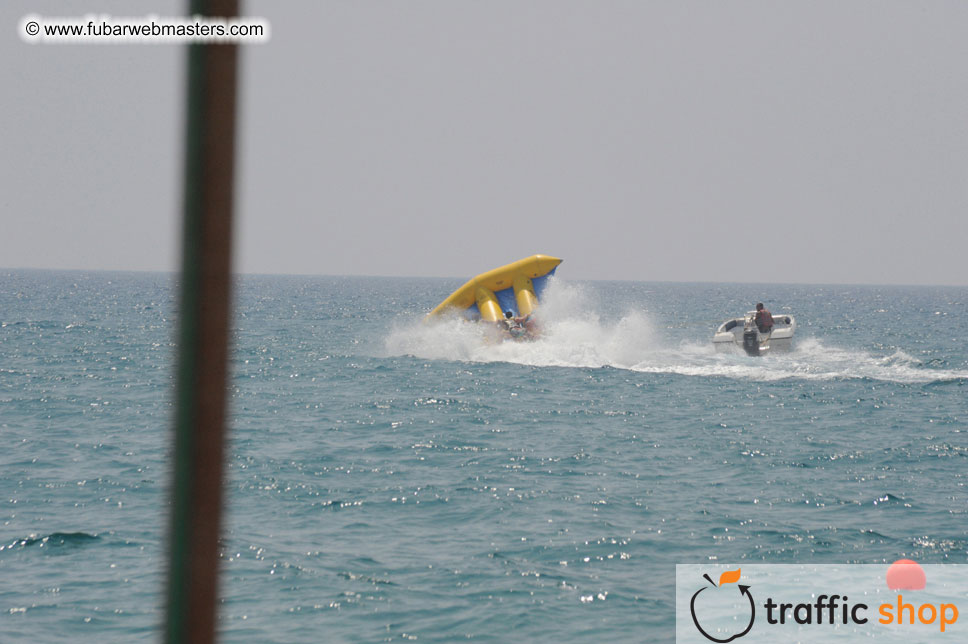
x=516, y=287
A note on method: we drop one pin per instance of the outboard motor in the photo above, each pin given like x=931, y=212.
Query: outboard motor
x=751, y=341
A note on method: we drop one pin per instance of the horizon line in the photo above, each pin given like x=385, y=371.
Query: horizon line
x=175, y=272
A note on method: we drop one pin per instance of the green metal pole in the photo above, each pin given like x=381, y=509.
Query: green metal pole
x=203, y=336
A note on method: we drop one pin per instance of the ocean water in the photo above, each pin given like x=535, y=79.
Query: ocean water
x=395, y=481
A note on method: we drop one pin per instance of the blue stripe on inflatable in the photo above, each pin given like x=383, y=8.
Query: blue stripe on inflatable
x=541, y=282
x=506, y=299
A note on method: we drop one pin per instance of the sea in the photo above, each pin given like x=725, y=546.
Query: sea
x=390, y=480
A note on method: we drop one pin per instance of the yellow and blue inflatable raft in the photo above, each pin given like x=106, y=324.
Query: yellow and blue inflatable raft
x=516, y=287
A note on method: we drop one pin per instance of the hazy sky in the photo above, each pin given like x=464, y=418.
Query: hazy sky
x=698, y=141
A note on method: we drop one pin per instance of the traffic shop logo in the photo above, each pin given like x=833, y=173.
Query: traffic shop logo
x=699, y=604
x=726, y=611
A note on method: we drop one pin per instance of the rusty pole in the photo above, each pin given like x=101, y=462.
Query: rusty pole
x=203, y=335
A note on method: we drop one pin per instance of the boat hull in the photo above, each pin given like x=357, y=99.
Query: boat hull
x=739, y=334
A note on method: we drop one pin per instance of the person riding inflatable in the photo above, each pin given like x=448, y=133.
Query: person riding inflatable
x=514, y=325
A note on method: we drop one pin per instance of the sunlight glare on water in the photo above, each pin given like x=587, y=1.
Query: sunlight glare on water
x=389, y=479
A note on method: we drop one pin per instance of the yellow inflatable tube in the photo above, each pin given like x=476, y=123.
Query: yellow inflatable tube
x=514, y=286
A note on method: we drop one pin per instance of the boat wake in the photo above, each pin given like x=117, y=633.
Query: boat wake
x=573, y=337
x=810, y=360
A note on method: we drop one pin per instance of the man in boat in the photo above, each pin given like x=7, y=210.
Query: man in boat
x=763, y=319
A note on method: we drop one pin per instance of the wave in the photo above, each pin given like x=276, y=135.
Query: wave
x=811, y=359
x=53, y=540
x=574, y=336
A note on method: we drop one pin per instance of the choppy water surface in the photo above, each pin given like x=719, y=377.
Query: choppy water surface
x=391, y=480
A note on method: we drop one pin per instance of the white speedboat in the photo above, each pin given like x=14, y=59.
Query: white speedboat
x=742, y=332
